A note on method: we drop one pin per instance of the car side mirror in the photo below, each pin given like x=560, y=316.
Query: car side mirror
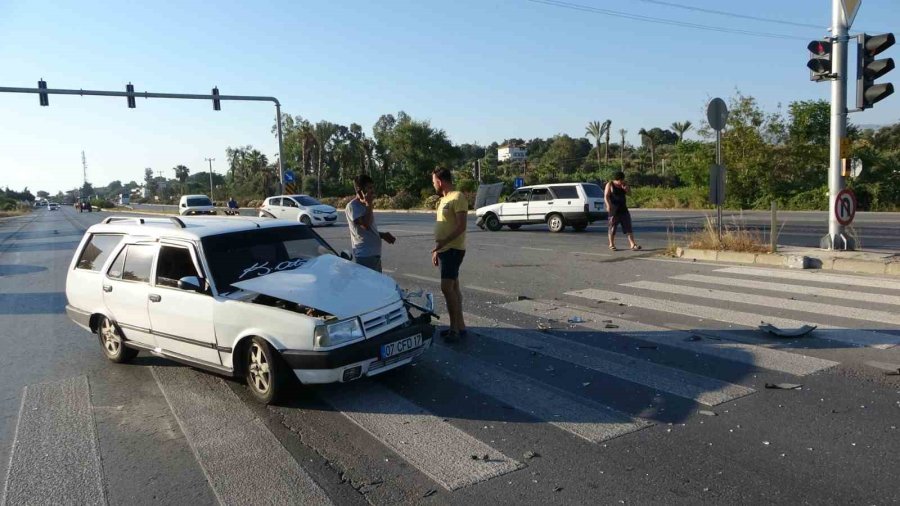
x=191, y=283
x=346, y=255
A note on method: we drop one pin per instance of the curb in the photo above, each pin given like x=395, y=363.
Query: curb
x=887, y=266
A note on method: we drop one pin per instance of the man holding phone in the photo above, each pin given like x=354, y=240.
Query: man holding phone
x=365, y=238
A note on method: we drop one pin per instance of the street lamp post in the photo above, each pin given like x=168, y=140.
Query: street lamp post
x=211, y=196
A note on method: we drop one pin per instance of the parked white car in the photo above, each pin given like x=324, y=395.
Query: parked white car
x=195, y=204
x=261, y=299
x=558, y=205
x=53, y=206
x=302, y=208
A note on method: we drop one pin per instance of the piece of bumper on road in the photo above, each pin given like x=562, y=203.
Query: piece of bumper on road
x=356, y=360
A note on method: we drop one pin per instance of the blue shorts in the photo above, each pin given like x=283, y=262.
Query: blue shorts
x=449, y=261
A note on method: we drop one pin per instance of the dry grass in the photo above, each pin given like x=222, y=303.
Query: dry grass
x=735, y=237
x=17, y=212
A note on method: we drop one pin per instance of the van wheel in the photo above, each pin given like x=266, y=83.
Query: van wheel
x=556, y=223
x=306, y=221
x=514, y=227
x=580, y=227
x=113, y=344
x=264, y=371
x=492, y=223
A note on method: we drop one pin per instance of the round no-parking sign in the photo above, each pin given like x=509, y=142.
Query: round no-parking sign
x=845, y=206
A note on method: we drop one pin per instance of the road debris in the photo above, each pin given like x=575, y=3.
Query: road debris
x=775, y=331
x=707, y=412
x=430, y=493
x=530, y=455
x=522, y=297
x=784, y=386
x=576, y=319
x=611, y=326
x=557, y=489
x=893, y=373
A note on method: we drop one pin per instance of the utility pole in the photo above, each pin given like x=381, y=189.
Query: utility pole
x=84, y=167
x=836, y=238
x=210, y=160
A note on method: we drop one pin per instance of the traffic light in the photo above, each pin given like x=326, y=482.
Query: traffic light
x=819, y=63
x=216, y=104
x=43, y=97
x=869, y=69
x=130, y=89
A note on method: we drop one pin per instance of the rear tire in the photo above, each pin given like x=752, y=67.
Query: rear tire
x=514, y=227
x=556, y=223
x=264, y=371
x=112, y=342
x=492, y=223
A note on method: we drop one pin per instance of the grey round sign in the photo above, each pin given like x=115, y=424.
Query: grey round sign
x=717, y=114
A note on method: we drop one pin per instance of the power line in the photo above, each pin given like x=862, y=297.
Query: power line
x=731, y=14
x=663, y=21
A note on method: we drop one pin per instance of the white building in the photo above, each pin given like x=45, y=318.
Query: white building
x=513, y=153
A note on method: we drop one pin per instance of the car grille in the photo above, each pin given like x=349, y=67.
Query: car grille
x=377, y=322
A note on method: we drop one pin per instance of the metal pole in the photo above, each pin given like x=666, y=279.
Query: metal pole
x=836, y=239
x=211, y=196
x=772, y=237
x=721, y=177
x=280, y=147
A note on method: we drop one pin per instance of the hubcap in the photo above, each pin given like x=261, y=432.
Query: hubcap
x=259, y=369
x=111, y=340
x=554, y=222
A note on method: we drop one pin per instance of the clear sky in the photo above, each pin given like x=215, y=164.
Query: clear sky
x=483, y=70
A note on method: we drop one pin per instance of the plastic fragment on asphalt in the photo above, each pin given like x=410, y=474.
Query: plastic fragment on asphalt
x=530, y=455
x=783, y=386
x=775, y=331
x=611, y=326
x=430, y=493
x=893, y=373
x=576, y=319
x=707, y=412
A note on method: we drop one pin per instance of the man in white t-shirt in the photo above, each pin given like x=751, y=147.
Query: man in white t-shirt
x=365, y=238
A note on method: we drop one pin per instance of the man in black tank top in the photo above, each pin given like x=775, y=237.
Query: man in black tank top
x=615, y=197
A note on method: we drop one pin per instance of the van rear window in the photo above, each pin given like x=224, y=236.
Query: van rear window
x=565, y=192
x=97, y=250
x=593, y=191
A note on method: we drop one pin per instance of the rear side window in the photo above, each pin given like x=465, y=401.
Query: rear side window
x=593, y=191
x=138, y=260
x=565, y=192
x=538, y=194
x=97, y=250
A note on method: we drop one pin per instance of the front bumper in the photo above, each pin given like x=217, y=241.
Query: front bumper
x=324, y=218
x=359, y=359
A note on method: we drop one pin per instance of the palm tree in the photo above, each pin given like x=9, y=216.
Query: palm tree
x=181, y=174
x=595, y=130
x=622, y=133
x=605, y=128
x=322, y=132
x=681, y=129
x=649, y=138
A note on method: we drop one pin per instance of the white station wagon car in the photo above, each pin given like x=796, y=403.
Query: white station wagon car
x=558, y=205
x=261, y=299
x=302, y=208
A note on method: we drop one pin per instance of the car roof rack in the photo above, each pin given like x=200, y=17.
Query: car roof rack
x=177, y=221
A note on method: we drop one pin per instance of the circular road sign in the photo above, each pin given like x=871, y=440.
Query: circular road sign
x=717, y=114
x=845, y=206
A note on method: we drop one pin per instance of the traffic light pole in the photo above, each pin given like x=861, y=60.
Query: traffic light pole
x=836, y=238
x=43, y=92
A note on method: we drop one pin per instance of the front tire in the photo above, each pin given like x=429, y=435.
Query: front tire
x=555, y=223
x=113, y=344
x=492, y=223
x=306, y=221
x=265, y=372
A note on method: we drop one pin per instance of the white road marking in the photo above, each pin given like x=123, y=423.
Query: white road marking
x=816, y=308
x=702, y=389
x=243, y=461
x=816, y=277
x=55, y=457
x=536, y=249
x=834, y=293
x=591, y=254
x=431, y=445
x=576, y=415
x=495, y=291
x=855, y=337
x=758, y=356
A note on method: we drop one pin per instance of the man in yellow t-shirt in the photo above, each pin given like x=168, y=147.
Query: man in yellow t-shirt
x=450, y=247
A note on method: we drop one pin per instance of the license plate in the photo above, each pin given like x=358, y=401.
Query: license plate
x=598, y=206
x=401, y=346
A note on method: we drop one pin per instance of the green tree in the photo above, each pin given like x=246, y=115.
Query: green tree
x=595, y=129
x=651, y=143
x=622, y=133
x=181, y=174
x=681, y=129
x=323, y=132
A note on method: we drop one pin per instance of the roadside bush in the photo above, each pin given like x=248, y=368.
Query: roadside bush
x=810, y=200
x=431, y=202
x=7, y=204
x=668, y=198
x=102, y=204
x=403, y=200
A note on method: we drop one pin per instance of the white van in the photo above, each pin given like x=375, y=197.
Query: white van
x=558, y=205
x=195, y=204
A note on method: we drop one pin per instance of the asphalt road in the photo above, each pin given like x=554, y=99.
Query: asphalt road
x=590, y=377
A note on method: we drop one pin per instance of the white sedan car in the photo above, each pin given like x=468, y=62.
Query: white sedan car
x=265, y=300
x=302, y=208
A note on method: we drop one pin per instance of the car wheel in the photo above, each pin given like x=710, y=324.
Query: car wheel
x=265, y=372
x=112, y=343
x=492, y=223
x=306, y=221
x=514, y=227
x=556, y=223
x=580, y=227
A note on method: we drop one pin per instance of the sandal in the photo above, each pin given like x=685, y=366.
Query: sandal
x=613, y=248
x=636, y=247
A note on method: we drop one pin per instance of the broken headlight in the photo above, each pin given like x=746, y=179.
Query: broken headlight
x=338, y=333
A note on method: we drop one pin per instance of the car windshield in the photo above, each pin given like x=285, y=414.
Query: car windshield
x=239, y=256
x=593, y=191
x=306, y=200
x=198, y=201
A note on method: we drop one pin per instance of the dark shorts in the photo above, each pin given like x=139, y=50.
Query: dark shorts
x=373, y=263
x=623, y=219
x=450, y=261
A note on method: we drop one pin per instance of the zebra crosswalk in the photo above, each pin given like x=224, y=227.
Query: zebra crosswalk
x=245, y=462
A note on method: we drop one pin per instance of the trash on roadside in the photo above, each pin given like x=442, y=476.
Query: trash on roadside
x=775, y=331
x=893, y=373
x=430, y=493
x=611, y=326
x=706, y=412
x=783, y=386
x=557, y=489
x=543, y=327
x=576, y=319
x=530, y=455
x=522, y=297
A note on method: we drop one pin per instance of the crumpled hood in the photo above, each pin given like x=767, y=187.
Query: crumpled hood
x=328, y=283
